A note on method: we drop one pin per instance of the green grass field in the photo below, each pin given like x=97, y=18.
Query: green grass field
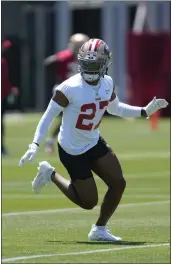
x=58, y=232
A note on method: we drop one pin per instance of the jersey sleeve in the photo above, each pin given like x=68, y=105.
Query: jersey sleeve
x=66, y=90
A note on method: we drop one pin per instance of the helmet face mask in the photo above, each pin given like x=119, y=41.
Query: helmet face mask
x=91, y=66
x=94, y=59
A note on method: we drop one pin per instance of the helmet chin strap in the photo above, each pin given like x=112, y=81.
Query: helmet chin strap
x=90, y=77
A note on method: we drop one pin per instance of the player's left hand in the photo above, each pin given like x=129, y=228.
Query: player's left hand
x=155, y=105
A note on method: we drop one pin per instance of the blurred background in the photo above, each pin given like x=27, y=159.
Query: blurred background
x=138, y=35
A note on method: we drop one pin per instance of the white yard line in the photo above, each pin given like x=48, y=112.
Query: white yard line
x=27, y=184
x=124, y=156
x=63, y=210
x=16, y=118
x=82, y=252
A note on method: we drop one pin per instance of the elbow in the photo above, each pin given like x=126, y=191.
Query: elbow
x=113, y=107
x=112, y=111
x=108, y=110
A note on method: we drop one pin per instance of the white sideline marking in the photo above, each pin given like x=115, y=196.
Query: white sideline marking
x=83, y=252
x=124, y=156
x=62, y=210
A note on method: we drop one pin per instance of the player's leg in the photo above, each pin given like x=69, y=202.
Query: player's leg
x=81, y=190
x=109, y=170
x=107, y=167
x=82, y=181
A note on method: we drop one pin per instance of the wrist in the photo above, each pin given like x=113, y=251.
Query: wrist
x=143, y=113
x=36, y=144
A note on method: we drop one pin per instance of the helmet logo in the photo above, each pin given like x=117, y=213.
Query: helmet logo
x=90, y=56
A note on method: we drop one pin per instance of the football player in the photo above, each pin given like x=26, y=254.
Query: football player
x=83, y=100
x=60, y=67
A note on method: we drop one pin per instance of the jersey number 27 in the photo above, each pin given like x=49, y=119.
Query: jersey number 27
x=90, y=116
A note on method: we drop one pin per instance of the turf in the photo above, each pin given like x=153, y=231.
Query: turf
x=142, y=219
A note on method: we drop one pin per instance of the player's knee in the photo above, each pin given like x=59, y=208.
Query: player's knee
x=90, y=204
x=119, y=184
x=123, y=183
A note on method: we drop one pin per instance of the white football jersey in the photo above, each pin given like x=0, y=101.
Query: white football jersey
x=79, y=130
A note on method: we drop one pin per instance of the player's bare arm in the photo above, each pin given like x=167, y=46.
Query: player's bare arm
x=60, y=99
x=50, y=60
x=113, y=96
x=50, y=64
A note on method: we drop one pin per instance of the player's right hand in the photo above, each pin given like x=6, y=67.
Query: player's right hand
x=29, y=155
x=155, y=105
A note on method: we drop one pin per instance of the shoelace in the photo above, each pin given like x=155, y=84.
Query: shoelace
x=109, y=231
